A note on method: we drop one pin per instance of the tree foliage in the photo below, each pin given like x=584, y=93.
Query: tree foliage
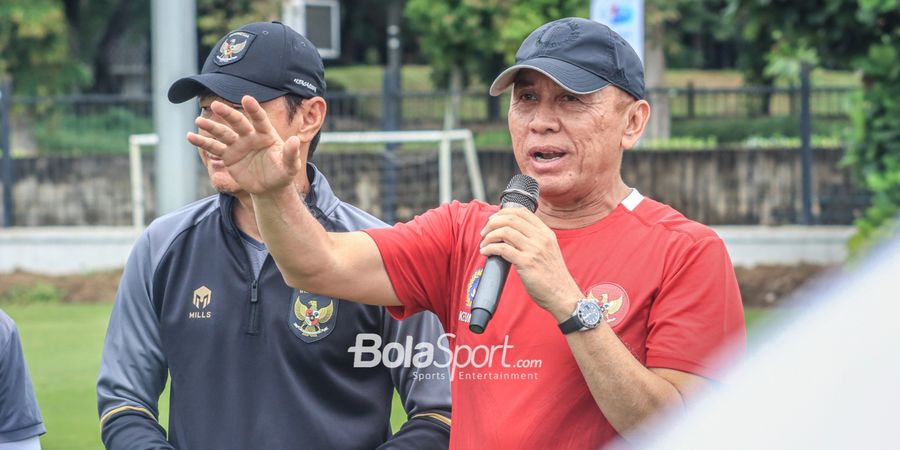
x=850, y=34
x=480, y=36
x=34, y=48
x=97, y=29
x=217, y=17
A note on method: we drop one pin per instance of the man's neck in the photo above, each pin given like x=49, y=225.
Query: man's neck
x=245, y=217
x=567, y=215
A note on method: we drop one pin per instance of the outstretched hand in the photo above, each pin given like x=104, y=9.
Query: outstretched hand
x=249, y=146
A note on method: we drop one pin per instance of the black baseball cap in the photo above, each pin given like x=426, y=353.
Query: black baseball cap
x=264, y=60
x=581, y=55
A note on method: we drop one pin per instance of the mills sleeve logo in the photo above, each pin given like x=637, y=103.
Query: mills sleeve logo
x=234, y=47
x=613, y=299
x=312, y=317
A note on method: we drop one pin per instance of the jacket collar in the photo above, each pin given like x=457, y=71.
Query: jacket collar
x=320, y=200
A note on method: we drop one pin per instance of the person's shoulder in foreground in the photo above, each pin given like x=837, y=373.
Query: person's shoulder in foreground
x=20, y=418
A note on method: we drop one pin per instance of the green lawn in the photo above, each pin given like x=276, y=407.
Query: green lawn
x=62, y=345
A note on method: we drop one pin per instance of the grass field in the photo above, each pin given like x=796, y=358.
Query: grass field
x=62, y=344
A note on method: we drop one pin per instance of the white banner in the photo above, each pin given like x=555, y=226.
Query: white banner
x=625, y=17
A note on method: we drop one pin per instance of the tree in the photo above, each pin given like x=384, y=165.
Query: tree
x=217, y=17
x=862, y=35
x=34, y=48
x=97, y=27
x=466, y=39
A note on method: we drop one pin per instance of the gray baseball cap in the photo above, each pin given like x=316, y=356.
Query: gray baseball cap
x=581, y=55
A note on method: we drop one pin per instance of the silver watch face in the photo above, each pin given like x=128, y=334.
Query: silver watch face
x=589, y=313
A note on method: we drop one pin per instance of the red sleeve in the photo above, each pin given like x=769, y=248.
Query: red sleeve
x=697, y=312
x=416, y=256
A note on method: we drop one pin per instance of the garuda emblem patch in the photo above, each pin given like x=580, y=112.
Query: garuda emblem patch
x=234, y=47
x=312, y=317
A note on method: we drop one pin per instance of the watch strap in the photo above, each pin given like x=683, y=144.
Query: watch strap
x=571, y=325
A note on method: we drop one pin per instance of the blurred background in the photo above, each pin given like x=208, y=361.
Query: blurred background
x=776, y=122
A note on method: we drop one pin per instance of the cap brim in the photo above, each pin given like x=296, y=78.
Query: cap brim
x=571, y=77
x=227, y=86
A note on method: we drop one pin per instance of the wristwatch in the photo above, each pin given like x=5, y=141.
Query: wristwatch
x=588, y=314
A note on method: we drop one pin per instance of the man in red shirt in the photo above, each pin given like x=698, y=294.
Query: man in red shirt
x=616, y=304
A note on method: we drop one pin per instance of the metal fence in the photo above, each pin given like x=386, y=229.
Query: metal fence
x=354, y=111
x=61, y=145
x=101, y=123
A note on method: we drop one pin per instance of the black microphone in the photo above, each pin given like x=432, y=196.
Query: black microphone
x=521, y=192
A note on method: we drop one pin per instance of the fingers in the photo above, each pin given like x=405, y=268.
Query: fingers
x=290, y=154
x=258, y=118
x=232, y=117
x=206, y=143
x=518, y=218
x=506, y=235
x=216, y=130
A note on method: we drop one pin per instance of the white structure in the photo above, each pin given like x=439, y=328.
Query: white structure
x=318, y=20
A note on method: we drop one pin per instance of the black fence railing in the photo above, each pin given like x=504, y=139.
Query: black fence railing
x=80, y=134
x=100, y=124
x=692, y=102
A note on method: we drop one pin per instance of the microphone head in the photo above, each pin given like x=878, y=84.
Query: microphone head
x=522, y=190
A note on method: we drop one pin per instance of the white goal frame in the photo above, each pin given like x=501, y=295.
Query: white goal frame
x=444, y=138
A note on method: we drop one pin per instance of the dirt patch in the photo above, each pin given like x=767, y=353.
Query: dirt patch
x=761, y=286
x=764, y=286
x=95, y=287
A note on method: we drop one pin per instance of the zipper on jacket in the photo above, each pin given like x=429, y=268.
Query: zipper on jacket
x=253, y=326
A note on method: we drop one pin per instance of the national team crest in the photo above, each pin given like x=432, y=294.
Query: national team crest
x=613, y=299
x=473, y=287
x=234, y=47
x=312, y=316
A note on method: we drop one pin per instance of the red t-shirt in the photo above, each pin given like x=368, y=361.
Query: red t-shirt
x=669, y=284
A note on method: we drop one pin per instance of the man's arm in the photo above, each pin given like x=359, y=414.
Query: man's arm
x=627, y=392
x=342, y=265
x=20, y=417
x=133, y=369
x=425, y=391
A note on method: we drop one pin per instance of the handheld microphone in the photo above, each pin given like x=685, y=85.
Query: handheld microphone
x=521, y=192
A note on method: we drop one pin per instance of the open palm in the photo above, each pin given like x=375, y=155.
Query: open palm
x=249, y=146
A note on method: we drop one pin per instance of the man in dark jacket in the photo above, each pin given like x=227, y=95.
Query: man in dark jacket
x=253, y=362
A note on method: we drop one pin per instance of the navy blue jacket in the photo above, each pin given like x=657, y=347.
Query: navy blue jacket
x=20, y=418
x=254, y=363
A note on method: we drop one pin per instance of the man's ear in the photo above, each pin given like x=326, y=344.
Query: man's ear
x=638, y=114
x=309, y=118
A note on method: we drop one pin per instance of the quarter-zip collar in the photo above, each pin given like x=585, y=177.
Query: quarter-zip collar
x=320, y=200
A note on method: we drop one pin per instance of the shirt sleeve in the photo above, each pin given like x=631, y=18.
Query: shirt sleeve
x=417, y=258
x=424, y=386
x=133, y=369
x=20, y=417
x=697, y=312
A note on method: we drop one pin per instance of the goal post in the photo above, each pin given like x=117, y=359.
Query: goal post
x=444, y=139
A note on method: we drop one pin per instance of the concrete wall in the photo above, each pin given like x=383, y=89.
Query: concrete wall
x=730, y=187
